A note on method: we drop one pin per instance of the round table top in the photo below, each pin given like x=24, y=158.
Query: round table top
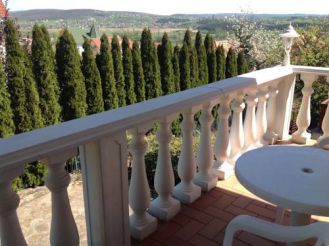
x=288, y=176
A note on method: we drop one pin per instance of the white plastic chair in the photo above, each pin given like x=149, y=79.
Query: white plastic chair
x=276, y=232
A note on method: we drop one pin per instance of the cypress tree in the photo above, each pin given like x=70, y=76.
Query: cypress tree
x=211, y=58
x=105, y=67
x=15, y=70
x=194, y=70
x=220, y=56
x=7, y=126
x=184, y=66
x=93, y=82
x=202, y=59
x=231, y=64
x=118, y=71
x=138, y=73
x=242, y=63
x=176, y=70
x=45, y=76
x=166, y=68
x=70, y=78
x=150, y=65
x=128, y=71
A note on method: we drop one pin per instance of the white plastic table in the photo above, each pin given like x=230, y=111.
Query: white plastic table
x=291, y=177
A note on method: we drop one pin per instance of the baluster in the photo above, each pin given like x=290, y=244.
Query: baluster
x=164, y=206
x=63, y=229
x=261, y=116
x=270, y=136
x=222, y=168
x=142, y=224
x=205, y=178
x=304, y=114
x=186, y=191
x=236, y=133
x=325, y=123
x=250, y=129
x=10, y=229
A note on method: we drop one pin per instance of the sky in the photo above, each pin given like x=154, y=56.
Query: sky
x=166, y=7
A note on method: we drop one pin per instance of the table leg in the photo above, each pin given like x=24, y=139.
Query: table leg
x=298, y=219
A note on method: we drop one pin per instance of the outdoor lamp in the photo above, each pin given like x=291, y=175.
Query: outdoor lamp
x=288, y=39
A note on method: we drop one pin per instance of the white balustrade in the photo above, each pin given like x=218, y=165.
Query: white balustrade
x=205, y=177
x=270, y=136
x=10, y=229
x=325, y=123
x=164, y=206
x=261, y=116
x=142, y=223
x=236, y=133
x=63, y=229
x=304, y=115
x=250, y=127
x=186, y=191
x=222, y=167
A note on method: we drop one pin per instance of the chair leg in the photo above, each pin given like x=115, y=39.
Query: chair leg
x=279, y=215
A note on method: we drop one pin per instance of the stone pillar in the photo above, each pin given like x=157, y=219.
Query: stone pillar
x=222, y=168
x=205, y=178
x=186, y=191
x=250, y=128
x=270, y=136
x=325, y=123
x=261, y=116
x=164, y=206
x=304, y=114
x=142, y=224
x=63, y=229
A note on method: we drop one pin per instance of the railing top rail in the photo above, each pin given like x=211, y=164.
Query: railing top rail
x=323, y=71
x=30, y=146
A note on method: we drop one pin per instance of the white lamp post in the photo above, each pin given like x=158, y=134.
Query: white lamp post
x=288, y=39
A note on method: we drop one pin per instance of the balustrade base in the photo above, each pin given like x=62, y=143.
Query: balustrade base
x=206, y=182
x=187, y=193
x=302, y=138
x=223, y=170
x=164, y=213
x=270, y=138
x=141, y=231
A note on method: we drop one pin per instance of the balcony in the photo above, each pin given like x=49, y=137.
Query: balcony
x=254, y=110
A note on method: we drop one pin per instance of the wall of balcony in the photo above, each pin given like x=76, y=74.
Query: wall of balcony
x=254, y=110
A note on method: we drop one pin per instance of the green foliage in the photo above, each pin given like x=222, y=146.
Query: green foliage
x=45, y=75
x=211, y=58
x=7, y=126
x=166, y=66
x=15, y=70
x=176, y=70
x=128, y=71
x=118, y=71
x=184, y=66
x=138, y=73
x=242, y=63
x=202, y=59
x=221, y=60
x=70, y=78
x=93, y=82
x=105, y=66
x=151, y=66
x=231, y=64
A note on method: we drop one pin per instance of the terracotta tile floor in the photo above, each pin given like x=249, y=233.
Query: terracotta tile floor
x=203, y=222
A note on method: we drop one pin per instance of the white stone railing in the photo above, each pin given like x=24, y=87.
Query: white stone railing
x=102, y=143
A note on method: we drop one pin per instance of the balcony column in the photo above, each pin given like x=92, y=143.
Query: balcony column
x=63, y=229
x=205, y=178
x=222, y=168
x=250, y=128
x=261, y=116
x=236, y=133
x=186, y=191
x=10, y=229
x=142, y=224
x=325, y=123
x=304, y=115
x=270, y=136
x=164, y=206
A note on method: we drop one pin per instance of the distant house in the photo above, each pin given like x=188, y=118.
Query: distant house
x=96, y=42
x=3, y=15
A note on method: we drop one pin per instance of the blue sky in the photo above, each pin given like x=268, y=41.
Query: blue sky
x=181, y=6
